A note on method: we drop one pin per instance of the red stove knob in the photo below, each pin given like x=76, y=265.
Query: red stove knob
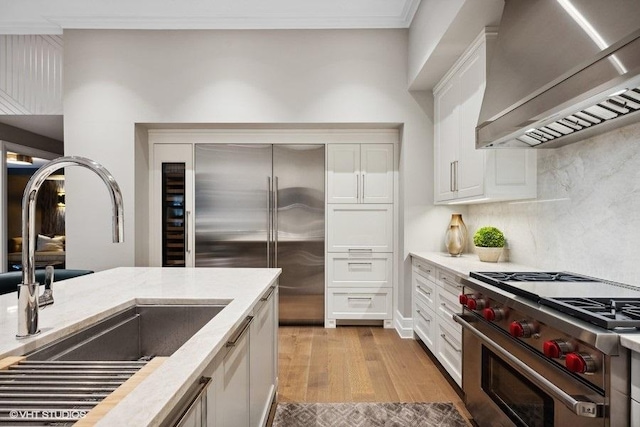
x=521, y=329
x=463, y=299
x=476, y=303
x=580, y=363
x=492, y=314
x=556, y=348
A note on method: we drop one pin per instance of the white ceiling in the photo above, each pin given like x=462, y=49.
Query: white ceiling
x=53, y=16
x=49, y=126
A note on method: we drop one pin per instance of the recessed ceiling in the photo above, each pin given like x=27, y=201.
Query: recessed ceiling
x=53, y=16
x=49, y=126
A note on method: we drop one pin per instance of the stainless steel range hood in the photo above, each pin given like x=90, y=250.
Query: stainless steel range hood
x=562, y=70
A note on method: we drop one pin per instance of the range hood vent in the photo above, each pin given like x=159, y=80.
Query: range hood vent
x=562, y=71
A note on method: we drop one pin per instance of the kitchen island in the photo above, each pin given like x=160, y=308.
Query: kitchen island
x=82, y=301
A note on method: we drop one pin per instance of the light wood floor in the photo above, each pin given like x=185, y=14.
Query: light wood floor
x=357, y=364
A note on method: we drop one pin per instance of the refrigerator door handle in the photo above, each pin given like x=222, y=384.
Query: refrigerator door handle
x=269, y=221
x=275, y=223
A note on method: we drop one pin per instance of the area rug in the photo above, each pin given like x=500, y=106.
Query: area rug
x=367, y=415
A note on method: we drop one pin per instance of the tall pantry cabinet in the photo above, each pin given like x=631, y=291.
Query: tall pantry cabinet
x=360, y=232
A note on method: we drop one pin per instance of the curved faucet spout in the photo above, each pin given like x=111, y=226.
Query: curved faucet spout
x=27, y=321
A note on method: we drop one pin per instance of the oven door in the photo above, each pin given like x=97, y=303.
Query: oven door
x=507, y=384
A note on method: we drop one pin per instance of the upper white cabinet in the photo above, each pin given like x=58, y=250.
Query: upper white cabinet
x=462, y=173
x=360, y=173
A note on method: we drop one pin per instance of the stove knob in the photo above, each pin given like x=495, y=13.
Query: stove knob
x=581, y=363
x=463, y=299
x=556, y=348
x=492, y=314
x=521, y=329
x=476, y=303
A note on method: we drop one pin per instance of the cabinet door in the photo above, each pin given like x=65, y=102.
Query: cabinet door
x=263, y=376
x=446, y=139
x=232, y=387
x=343, y=173
x=377, y=173
x=469, y=170
x=171, y=219
x=360, y=228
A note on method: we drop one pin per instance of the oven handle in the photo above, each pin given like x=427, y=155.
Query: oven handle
x=584, y=408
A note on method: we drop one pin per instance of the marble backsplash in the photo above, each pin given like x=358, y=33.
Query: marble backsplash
x=586, y=218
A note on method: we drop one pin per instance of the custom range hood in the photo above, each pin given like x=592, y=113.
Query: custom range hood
x=562, y=70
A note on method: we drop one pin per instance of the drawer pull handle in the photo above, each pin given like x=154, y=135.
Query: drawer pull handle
x=360, y=263
x=360, y=249
x=445, y=339
x=240, y=331
x=268, y=294
x=360, y=298
x=420, y=288
x=423, y=316
x=426, y=270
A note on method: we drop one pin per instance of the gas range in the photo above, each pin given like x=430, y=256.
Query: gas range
x=609, y=305
x=565, y=326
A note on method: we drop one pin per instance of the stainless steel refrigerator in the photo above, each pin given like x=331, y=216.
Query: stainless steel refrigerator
x=262, y=205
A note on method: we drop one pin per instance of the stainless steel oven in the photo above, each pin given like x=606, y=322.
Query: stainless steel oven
x=543, y=349
x=506, y=384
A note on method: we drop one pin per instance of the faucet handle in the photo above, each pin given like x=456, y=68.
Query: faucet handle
x=47, y=296
x=48, y=276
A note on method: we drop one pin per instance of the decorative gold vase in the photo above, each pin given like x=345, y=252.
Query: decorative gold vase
x=456, y=236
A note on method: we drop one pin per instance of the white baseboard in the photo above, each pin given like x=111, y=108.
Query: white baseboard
x=404, y=326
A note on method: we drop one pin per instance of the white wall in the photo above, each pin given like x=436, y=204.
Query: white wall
x=114, y=79
x=586, y=217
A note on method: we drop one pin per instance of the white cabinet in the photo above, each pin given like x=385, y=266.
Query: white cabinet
x=360, y=173
x=462, y=173
x=360, y=228
x=360, y=233
x=263, y=358
x=435, y=300
x=635, y=389
x=245, y=373
x=367, y=270
x=231, y=382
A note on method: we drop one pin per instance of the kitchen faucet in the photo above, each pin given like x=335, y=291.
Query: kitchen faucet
x=28, y=291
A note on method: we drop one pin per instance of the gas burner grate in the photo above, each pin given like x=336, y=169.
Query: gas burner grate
x=609, y=313
x=531, y=276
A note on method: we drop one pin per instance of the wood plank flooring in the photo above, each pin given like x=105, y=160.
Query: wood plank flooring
x=357, y=364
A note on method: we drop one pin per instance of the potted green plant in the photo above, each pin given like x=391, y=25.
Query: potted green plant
x=489, y=242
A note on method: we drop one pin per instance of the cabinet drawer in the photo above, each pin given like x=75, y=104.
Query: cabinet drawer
x=424, y=269
x=357, y=303
x=424, y=325
x=425, y=290
x=360, y=228
x=449, y=350
x=448, y=305
x=449, y=282
x=366, y=270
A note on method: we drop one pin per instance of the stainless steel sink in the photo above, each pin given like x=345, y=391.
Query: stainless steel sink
x=137, y=333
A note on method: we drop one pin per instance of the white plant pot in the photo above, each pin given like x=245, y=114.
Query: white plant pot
x=489, y=254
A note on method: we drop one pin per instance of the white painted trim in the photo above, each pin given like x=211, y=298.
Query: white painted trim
x=273, y=136
x=404, y=326
x=487, y=33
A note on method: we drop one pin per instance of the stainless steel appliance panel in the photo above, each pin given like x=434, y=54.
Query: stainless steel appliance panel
x=499, y=392
x=262, y=205
x=298, y=179
x=231, y=205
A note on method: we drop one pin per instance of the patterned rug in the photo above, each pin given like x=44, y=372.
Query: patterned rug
x=368, y=415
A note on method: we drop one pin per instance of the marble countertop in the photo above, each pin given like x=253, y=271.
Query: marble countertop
x=84, y=300
x=470, y=262
x=466, y=263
